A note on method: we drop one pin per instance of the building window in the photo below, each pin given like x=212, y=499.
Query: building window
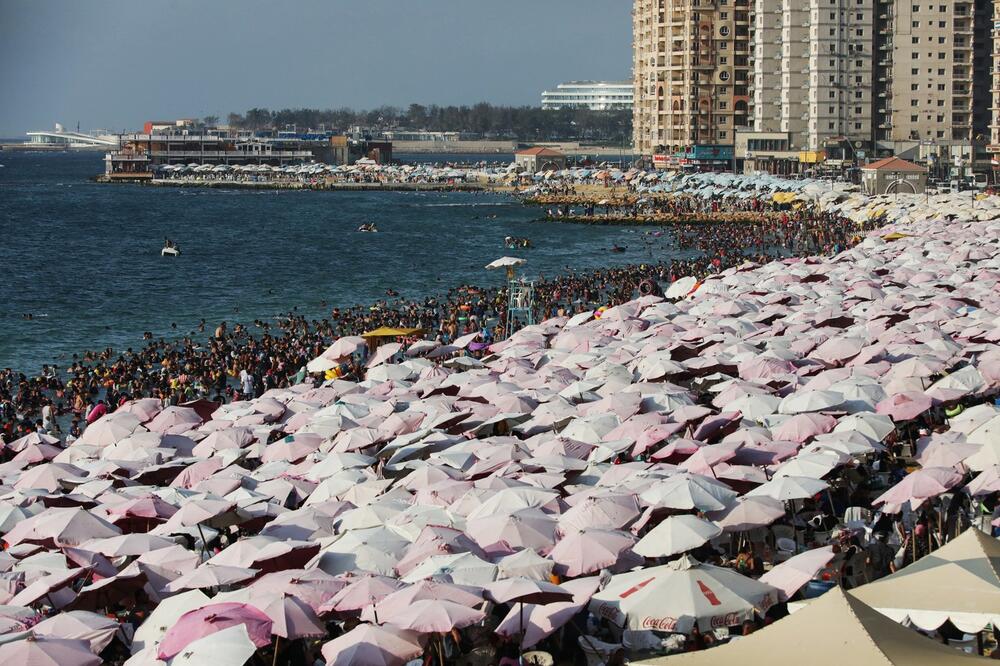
x=914, y=40
x=915, y=24
x=914, y=72
x=914, y=86
x=860, y=32
x=857, y=126
x=914, y=102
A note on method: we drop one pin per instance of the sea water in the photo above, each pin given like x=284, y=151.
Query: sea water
x=83, y=259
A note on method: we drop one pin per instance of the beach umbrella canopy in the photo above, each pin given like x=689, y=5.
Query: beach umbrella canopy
x=689, y=491
x=210, y=619
x=290, y=617
x=434, y=616
x=164, y=615
x=905, y=406
x=585, y=551
x=876, y=427
x=211, y=575
x=71, y=526
x=677, y=596
x=677, y=534
x=527, y=591
x=532, y=623
x=789, y=576
x=787, y=488
x=835, y=629
x=372, y=645
x=525, y=563
x=97, y=630
x=749, y=513
x=229, y=647
x=957, y=582
x=35, y=650
x=918, y=487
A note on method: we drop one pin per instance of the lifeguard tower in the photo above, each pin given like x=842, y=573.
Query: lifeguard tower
x=520, y=295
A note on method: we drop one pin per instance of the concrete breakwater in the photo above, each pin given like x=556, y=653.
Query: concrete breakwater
x=304, y=185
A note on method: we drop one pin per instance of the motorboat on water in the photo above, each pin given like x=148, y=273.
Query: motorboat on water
x=618, y=248
x=169, y=252
x=368, y=228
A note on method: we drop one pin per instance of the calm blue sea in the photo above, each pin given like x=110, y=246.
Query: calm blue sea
x=84, y=259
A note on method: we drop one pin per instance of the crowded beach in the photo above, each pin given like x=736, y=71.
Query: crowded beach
x=786, y=449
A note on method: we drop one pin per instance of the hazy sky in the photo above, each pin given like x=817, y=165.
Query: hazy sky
x=116, y=63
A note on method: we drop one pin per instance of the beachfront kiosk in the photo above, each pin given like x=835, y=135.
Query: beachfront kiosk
x=893, y=176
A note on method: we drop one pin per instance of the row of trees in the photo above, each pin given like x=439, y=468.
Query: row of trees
x=483, y=120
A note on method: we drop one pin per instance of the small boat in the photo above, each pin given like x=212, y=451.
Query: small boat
x=368, y=228
x=618, y=248
x=170, y=252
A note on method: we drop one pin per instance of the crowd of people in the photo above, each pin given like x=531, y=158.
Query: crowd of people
x=244, y=361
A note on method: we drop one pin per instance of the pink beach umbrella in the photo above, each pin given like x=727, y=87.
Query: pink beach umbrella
x=529, y=528
x=585, y=551
x=364, y=591
x=749, y=513
x=425, y=589
x=611, y=511
x=802, y=427
x=371, y=645
x=292, y=448
x=384, y=353
x=97, y=630
x=208, y=620
x=44, y=651
x=986, y=482
x=535, y=622
x=789, y=576
x=313, y=586
x=291, y=618
x=527, y=591
x=920, y=486
x=61, y=527
x=434, y=616
x=175, y=419
x=905, y=406
x=145, y=409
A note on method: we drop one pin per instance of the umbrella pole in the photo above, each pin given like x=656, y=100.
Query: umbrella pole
x=277, y=644
x=520, y=644
x=204, y=546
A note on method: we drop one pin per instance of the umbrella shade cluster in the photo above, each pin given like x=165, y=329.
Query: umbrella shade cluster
x=583, y=447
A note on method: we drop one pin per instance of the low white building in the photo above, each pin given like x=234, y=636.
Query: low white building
x=593, y=95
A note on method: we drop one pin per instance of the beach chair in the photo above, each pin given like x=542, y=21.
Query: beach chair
x=597, y=652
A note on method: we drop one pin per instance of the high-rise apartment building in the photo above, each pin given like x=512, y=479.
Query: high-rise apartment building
x=994, y=145
x=933, y=69
x=812, y=75
x=691, y=70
